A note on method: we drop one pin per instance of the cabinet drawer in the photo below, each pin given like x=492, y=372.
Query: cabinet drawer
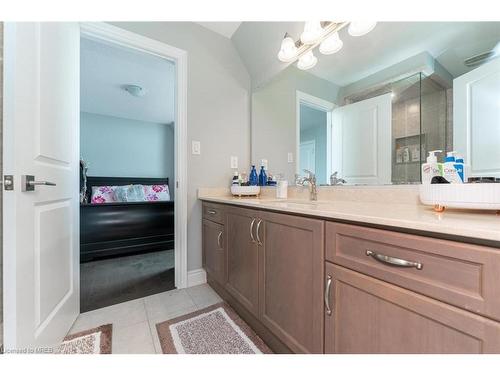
x=213, y=212
x=461, y=274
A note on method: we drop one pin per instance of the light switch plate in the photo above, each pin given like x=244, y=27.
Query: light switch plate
x=196, y=147
x=290, y=157
x=234, y=162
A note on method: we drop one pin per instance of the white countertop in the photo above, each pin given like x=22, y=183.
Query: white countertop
x=483, y=225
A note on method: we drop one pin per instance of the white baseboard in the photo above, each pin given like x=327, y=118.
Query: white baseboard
x=196, y=277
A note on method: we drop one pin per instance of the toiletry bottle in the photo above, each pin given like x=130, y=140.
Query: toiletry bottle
x=235, y=178
x=281, y=187
x=460, y=167
x=431, y=168
x=262, y=177
x=450, y=173
x=253, y=179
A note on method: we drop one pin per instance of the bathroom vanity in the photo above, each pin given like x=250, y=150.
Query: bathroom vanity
x=308, y=280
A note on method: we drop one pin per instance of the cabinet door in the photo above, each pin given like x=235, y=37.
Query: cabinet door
x=213, y=250
x=242, y=257
x=291, y=280
x=372, y=316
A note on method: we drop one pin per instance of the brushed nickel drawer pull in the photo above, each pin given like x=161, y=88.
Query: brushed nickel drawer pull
x=327, y=295
x=218, y=239
x=259, y=242
x=251, y=230
x=394, y=261
x=212, y=212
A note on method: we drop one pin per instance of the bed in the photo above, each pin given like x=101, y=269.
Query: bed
x=124, y=228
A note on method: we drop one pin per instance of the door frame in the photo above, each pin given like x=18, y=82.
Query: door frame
x=102, y=31
x=321, y=105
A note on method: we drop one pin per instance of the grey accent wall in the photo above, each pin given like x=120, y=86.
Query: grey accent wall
x=274, y=117
x=118, y=147
x=218, y=111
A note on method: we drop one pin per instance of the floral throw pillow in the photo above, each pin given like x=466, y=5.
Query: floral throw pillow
x=156, y=193
x=103, y=194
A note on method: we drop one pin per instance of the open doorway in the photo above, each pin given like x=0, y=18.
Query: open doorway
x=127, y=185
x=314, y=136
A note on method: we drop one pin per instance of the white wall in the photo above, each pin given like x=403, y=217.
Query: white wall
x=274, y=117
x=117, y=147
x=218, y=111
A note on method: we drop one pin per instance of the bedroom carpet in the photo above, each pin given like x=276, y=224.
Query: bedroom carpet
x=111, y=281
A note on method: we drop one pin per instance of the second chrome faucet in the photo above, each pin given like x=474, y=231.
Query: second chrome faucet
x=311, y=181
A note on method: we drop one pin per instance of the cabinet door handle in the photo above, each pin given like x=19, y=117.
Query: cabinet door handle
x=218, y=239
x=259, y=242
x=327, y=295
x=393, y=261
x=251, y=230
x=212, y=212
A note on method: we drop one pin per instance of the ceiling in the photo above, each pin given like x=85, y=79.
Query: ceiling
x=105, y=68
x=226, y=29
x=389, y=43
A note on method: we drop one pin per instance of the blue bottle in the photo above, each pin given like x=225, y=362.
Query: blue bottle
x=253, y=179
x=262, y=177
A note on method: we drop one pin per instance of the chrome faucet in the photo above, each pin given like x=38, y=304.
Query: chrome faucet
x=311, y=180
x=334, y=180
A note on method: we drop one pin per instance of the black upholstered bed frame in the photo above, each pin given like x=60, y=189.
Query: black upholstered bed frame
x=125, y=228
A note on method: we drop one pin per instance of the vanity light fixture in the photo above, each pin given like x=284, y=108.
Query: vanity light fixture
x=331, y=44
x=288, y=51
x=323, y=34
x=307, y=61
x=312, y=32
x=358, y=28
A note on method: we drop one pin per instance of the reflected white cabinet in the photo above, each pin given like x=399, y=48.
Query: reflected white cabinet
x=476, y=118
x=361, y=141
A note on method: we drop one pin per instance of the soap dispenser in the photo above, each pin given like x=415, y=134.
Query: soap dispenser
x=431, y=168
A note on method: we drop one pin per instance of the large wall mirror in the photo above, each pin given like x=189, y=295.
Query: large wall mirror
x=369, y=113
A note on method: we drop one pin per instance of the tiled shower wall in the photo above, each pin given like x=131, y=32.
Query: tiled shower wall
x=1, y=191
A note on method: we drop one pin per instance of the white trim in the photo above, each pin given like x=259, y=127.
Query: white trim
x=321, y=105
x=102, y=31
x=196, y=277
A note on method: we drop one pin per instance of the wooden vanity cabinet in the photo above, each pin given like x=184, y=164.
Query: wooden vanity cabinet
x=213, y=250
x=242, y=257
x=291, y=279
x=213, y=242
x=317, y=286
x=372, y=316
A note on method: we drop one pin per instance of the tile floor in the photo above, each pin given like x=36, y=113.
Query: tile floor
x=134, y=330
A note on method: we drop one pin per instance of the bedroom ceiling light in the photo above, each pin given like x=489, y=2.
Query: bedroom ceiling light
x=323, y=34
x=307, y=61
x=331, y=44
x=358, y=28
x=288, y=51
x=135, y=90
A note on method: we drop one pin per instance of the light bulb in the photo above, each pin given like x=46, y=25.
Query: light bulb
x=307, y=61
x=358, y=28
x=288, y=51
x=331, y=44
x=312, y=32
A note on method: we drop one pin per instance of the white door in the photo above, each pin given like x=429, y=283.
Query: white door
x=41, y=227
x=361, y=141
x=308, y=156
x=476, y=118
